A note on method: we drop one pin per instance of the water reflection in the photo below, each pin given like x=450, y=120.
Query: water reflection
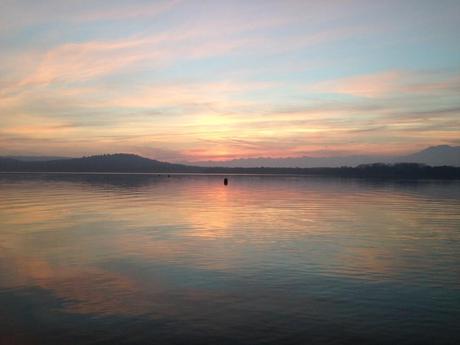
x=263, y=260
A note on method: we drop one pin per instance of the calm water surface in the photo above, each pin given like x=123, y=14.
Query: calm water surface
x=146, y=259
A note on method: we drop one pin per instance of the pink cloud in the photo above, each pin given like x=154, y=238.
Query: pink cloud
x=391, y=82
x=371, y=85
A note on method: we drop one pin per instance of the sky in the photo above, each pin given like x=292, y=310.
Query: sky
x=187, y=80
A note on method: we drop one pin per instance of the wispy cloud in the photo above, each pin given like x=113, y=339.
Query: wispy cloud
x=394, y=82
x=130, y=11
x=206, y=80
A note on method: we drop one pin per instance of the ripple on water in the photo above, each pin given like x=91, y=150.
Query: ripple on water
x=264, y=260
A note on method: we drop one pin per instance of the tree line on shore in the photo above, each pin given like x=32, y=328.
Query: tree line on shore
x=129, y=163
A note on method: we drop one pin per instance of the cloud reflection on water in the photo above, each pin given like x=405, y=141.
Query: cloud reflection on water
x=171, y=248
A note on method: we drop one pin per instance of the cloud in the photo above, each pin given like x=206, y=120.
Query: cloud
x=199, y=121
x=75, y=62
x=20, y=15
x=130, y=11
x=390, y=83
x=373, y=85
x=194, y=97
x=186, y=79
x=89, y=61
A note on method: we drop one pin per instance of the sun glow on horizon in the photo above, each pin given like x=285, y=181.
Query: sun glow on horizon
x=201, y=80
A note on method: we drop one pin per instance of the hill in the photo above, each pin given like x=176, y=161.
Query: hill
x=120, y=162
x=130, y=163
x=37, y=158
x=435, y=156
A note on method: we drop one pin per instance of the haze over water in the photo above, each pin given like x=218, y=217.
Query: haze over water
x=143, y=259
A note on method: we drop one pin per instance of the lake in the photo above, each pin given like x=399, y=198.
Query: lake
x=152, y=259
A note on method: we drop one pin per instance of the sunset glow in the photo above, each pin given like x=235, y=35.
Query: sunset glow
x=211, y=80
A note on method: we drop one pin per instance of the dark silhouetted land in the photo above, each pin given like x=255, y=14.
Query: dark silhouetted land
x=130, y=163
x=434, y=156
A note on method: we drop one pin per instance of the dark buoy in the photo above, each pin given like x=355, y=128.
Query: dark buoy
x=225, y=181
x=169, y=175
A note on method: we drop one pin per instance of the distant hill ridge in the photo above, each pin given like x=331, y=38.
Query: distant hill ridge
x=118, y=162
x=131, y=163
x=434, y=156
x=37, y=158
